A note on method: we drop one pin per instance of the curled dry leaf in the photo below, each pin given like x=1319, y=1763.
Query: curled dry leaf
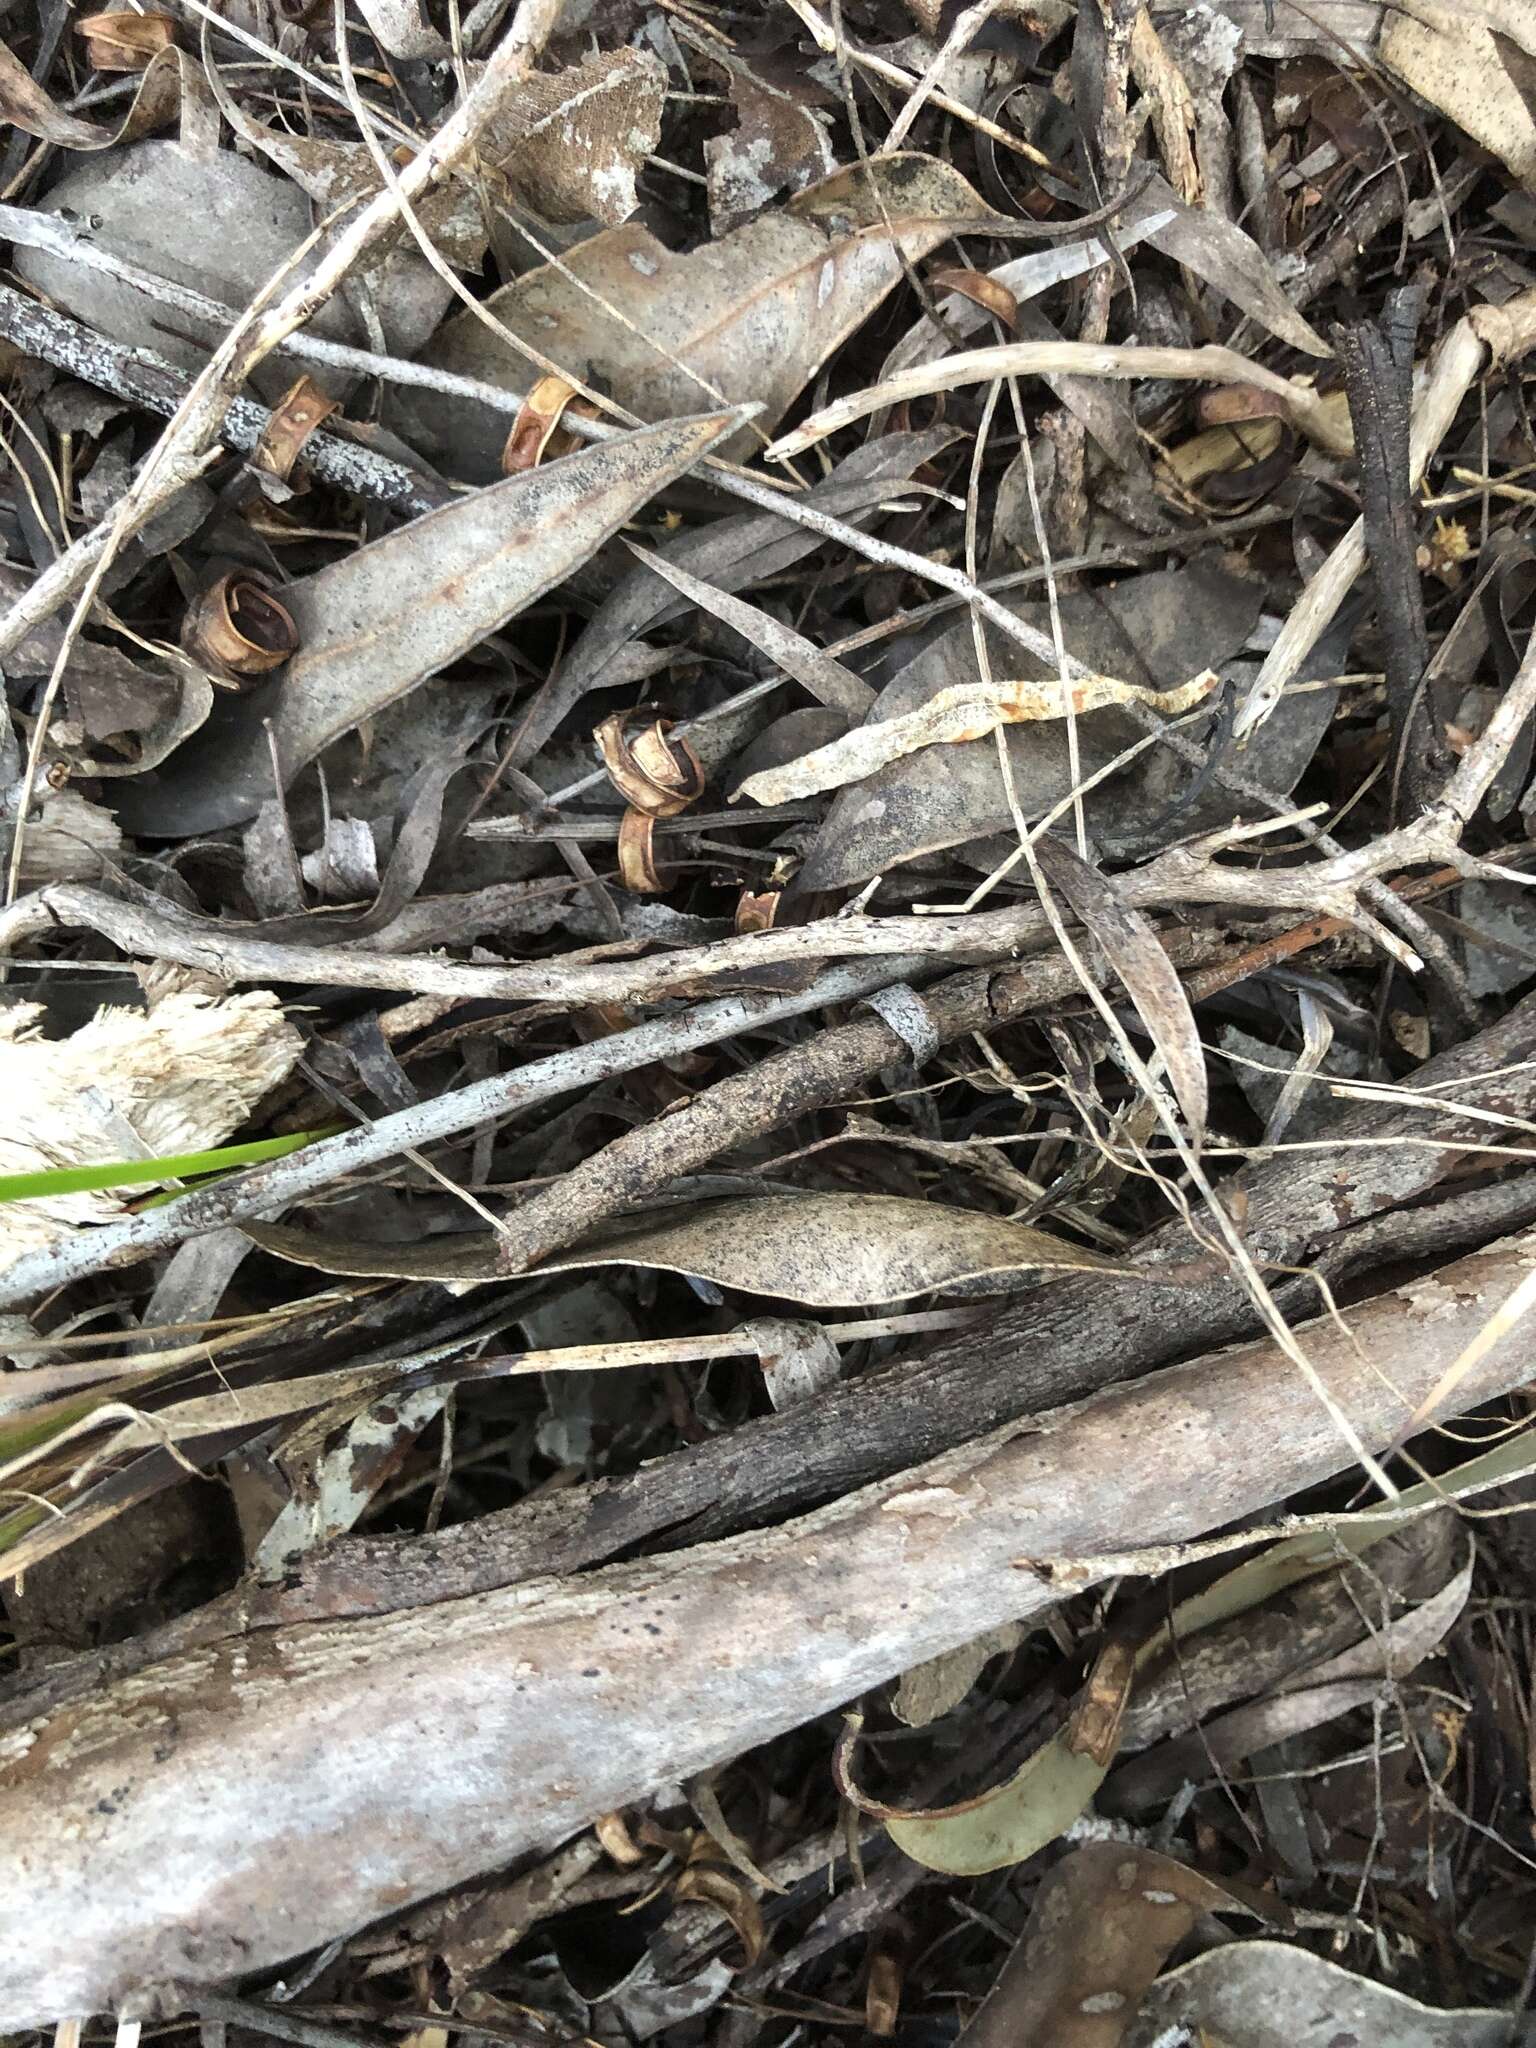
x=177, y=1079
x=967, y=711
x=237, y=628
x=827, y=1250
x=649, y=763
x=24, y=103
x=987, y=292
x=752, y=316
x=757, y=910
x=382, y=620
x=302, y=408
x=536, y=432
x=639, y=871
x=123, y=40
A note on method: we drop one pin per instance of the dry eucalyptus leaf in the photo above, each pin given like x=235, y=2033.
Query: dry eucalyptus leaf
x=223, y=226
x=753, y=316
x=1152, y=629
x=933, y=1689
x=574, y=140
x=826, y=1250
x=384, y=619
x=1219, y=252
x=178, y=1078
x=967, y=711
x=1271, y=1994
x=743, y=548
x=822, y=674
x=1450, y=55
x=24, y=103
x=1133, y=949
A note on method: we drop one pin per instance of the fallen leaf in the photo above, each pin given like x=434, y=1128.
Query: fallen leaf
x=1100, y=1926
x=1271, y=1994
x=826, y=1250
x=381, y=621
x=822, y=674
x=1451, y=57
x=571, y=141
x=750, y=317
x=967, y=711
x=1133, y=949
x=25, y=105
x=1151, y=629
x=400, y=28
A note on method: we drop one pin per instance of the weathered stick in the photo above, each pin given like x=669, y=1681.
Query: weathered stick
x=148, y=380
x=231, y=1807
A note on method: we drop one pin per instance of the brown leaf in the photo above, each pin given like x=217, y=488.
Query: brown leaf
x=574, y=139
x=24, y=103
x=1134, y=951
x=752, y=316
x=1101, y=1924
x=828, y=1250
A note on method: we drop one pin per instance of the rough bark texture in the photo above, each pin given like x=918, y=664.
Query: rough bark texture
x=228, y=1807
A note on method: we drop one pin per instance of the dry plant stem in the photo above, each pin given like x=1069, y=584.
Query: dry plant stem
x=146, y=379
x=1488, y=334
x=180, y=1826
x=181, y=451
x=748, y=1105
x=264, y=1190
x=1211, y=364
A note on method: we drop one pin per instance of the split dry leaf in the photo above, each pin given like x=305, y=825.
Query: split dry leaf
x=1133, y=949
x=1269, y=1994
x=24, y=103
x=386, y=618
x=753, y=316
x=1471, y=61
x=967, y=711
x=826, y=1250
x=574, y=139
x=1100, y=1927
x=822, y=674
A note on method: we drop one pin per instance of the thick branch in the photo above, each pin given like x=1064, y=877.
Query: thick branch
x=231, y=1807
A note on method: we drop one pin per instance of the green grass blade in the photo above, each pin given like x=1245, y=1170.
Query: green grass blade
x=127, y=1173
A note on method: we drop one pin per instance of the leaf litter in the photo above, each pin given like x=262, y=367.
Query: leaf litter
x=612, y=614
